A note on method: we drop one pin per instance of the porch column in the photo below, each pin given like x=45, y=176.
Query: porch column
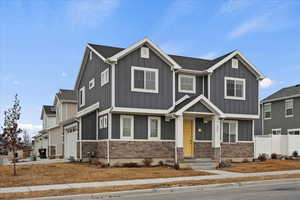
x=179, y=139
x=216, y=138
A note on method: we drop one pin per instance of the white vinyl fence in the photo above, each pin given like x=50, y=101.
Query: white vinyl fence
x=280, y=144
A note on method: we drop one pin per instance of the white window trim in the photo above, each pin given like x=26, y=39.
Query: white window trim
x=140, y=89
x=277, y=129
x=149, y=128
x=91, y=55
x=285, y=108
x=234, y=79
x=232, y=62
x=236, y=133
x=187, y=91
x=132, y=127
x=104, y=121
x=104, y=82
x=294, y=129
x=92, y=83
x=82, y=101
x=265, y=112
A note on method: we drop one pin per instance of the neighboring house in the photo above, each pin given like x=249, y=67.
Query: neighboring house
x=281, y=112
x=55, y=118
x=140, y=102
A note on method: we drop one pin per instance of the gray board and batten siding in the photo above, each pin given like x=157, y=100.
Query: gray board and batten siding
x=88, y=126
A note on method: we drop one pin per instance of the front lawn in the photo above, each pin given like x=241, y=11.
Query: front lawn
x=59, y=173
x=269, y=165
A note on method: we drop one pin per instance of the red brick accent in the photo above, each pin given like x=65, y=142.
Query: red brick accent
x=238, y=150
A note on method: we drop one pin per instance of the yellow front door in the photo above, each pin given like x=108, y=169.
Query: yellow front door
x=188, y=143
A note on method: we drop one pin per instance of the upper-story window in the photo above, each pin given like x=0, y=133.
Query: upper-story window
x=144, y=79
x=186, y=83
x=267, y=111
x=235, y=63
x=235, y=88
x=82, y=97
x=276, y=131
x=295, y=131
x=92, y=83
x=289, y=108
x=104, y=77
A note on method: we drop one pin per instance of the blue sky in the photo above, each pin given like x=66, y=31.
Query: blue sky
x=42, y=42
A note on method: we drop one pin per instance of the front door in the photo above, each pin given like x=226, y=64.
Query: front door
x=188, y=143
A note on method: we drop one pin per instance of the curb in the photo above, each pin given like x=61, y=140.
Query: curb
x=170, y=189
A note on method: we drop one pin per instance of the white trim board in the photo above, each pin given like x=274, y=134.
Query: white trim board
x=140, y=110
x=88, y=110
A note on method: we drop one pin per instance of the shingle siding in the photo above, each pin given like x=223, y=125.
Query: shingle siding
x=248, y=106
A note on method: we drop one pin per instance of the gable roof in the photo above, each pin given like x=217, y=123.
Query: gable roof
x=189, y=102
x=106, y=51
x=66, y=95
x=284, y=93
x=49, y=110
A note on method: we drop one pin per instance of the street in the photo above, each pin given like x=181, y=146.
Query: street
x=274, y=191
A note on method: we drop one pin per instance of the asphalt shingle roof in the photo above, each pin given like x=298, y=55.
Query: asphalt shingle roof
x=49, y=110
x=67, y=95
x=284, y=92
x=184, y=61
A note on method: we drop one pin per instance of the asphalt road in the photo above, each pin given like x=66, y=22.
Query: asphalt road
x=286, y=191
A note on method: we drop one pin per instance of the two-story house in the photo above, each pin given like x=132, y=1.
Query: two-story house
x=281, y=112
x=139, y=102
x=55, y=118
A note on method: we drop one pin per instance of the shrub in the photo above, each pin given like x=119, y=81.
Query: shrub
x=71, y=159
x=262, y=157
x=274, y=156
x=130, y=164
x=161, y=163
x=147, y=162
x=245, y=160
x=117, y=164
x=295, y=153
x=51, y=157
x=224, y=164
x=176, y=166
x=33, y=158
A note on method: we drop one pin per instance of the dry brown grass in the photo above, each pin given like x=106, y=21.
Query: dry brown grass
x=59, y=173
x=270, y=165
x=137, y=187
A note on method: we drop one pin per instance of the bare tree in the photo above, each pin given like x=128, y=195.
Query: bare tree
x=11, y=132
x=26, y=138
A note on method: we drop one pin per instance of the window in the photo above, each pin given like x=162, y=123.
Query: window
x=103, y=122
x=276, y=131
x=104, y=77
x=230, y=131
x=295, y=131
x=82, y=96
x=144, y=79
x=235, y=88
x=289, y=108
x=144, y=52
x=92, y=83
x=126, y=127
x=186, y=83
x=268, y=111
x=154, y=128
x=91, y=55
x=235, y=63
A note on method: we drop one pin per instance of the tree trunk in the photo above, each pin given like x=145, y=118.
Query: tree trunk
x=14, y=162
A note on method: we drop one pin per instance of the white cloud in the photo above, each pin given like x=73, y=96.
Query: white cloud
x=251, y=25
x=90, y=12
x=64, y=74
x=209, y=55
x=232, y=6
x=30, y=127
x=266, y=83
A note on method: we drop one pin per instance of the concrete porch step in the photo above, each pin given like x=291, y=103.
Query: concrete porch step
x=201, y=163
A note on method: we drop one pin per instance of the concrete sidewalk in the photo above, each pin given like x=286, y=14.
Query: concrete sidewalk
x=219, y=175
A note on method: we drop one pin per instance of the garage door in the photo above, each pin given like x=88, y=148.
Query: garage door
x=70, y=141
